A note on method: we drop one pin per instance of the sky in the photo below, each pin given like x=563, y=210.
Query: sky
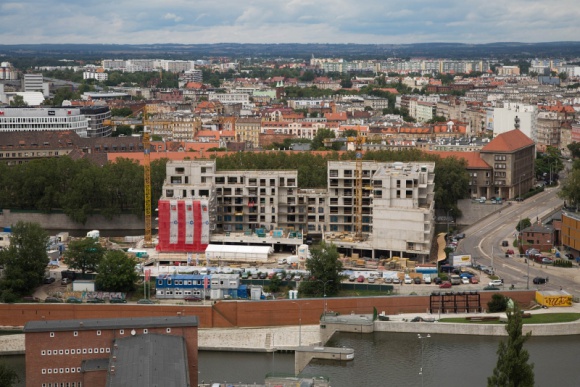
x=287, y=21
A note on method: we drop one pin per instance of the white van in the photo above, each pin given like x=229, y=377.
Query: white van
x=408, y=279
x=427, y=278
x=288, y=260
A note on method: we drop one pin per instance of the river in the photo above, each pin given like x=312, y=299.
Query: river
x=394, y=359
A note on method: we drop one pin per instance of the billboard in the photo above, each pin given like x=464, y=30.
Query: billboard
x=462, y=260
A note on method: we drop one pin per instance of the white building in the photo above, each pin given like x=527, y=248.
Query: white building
x=35, y=82
x=515, y=115
x=43, y=119
x=7, y=72
x=229, y=98
x=95, y=74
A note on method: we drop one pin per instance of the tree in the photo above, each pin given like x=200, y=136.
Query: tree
x=8, y=377
x=498, y=303
x=523, y=224
x=24, y=260
x=18, y=101
x=451, y=184
x=574, y=148
x=321, y=135
x=84, y=254
x=571, y=189
x=116, y=272
x=325, y=268
x=512, y=368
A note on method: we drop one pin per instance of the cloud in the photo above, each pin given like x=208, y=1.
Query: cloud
x=287, y=21
x=172, y=16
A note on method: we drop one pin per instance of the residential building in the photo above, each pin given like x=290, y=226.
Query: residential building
x=228, y=98
x=7, y=72
x=248, y=131
x=112, y=352
x=538, y=236
x=515, y=115
x=98, y=117
x=508, y=70
x=99, y=74
x=34, y=82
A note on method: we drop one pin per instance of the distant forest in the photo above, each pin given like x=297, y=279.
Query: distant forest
x=504, y=50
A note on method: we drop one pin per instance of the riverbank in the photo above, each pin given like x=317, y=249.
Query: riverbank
x=271, y=339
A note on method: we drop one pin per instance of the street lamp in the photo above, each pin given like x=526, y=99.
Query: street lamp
x=324, y=291
x=300, y=322
x=420, y=339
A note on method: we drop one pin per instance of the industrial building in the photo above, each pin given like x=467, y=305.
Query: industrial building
x=268, y=208
x=43, y=119
x=112, y=352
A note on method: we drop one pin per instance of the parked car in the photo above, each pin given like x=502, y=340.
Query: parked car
x=445, y=285
x=352, y=278
x=193, y=299
x=505, y=243
x=570, y=256
x=145, y=301
x=361, y=278
x=465, y=280
x=437, y=281
x=496, y=282
x=245, y=275
x=30, y=299
x=474, y=280
x=288, y=277
x=465, y=274
x=64, y=281
x=53, y=300
x=417, y=280
x=519, y=199
x=396, y=280
x=490, y=288
x=254, y=275
x=297, y=277
x=388, y=280
x=510, y=252
x=48, y=280
x=117, y=300
x=371, y=280
x=460, y=236
x=74, y=300
x=547, y=261
x=408, y=280
x=95, y=300
x=263, y=275
x=539, y=280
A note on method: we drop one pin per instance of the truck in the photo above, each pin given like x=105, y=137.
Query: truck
x=288, y=260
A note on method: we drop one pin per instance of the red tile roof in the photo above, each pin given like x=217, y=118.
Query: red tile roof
x=508, y=142
x=474, y=161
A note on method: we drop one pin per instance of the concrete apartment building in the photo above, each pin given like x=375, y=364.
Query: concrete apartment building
x=397, y=203
x=516, y=115
x=148, y=351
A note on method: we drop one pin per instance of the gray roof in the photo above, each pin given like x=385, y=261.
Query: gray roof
x=149, y=360
x=111, y=323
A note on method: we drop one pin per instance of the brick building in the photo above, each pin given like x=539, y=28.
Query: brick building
x=112, y=352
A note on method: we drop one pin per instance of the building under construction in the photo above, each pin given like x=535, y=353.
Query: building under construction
x=390, y=214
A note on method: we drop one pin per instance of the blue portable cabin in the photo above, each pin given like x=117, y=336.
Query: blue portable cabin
x=171, y=286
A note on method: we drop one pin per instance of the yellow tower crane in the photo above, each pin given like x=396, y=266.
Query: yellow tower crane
x=147, y=179
x=358, y=178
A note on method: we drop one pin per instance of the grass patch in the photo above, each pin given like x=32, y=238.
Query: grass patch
x=544, y=318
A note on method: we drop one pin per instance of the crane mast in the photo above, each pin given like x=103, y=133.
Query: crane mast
x=147, y=179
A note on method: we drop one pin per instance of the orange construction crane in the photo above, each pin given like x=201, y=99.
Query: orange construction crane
x=358, y=141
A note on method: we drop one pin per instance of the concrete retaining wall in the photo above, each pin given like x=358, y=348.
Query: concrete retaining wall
x=560, y=329
x=63, y=222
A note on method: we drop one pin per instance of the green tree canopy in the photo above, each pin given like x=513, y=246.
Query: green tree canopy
x=18, y=101
x=325, y=268
x=25, y=260
x=574, y=148
x=548, y=164
x=116, y=272
x=512, y=368
x=8, y=377
x=84, y=254
x=570, y=191
x=523, y=224
x=321, y=135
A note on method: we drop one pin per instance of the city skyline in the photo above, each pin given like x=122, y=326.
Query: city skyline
x=295, y=21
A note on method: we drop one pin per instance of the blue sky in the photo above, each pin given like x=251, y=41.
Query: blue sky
x=288, y=21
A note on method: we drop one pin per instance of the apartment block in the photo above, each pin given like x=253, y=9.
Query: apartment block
x=397, y=203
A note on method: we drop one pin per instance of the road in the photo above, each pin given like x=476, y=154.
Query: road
x=483, y=242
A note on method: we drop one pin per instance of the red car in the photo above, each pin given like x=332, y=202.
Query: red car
x=361, y=278
x=445, y=285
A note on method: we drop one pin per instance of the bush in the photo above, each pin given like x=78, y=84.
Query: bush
x=562, y=263
x=498, y=303
x=8, y=297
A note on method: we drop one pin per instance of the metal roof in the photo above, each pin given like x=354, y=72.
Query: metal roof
x=112, y=323
x=149, y=360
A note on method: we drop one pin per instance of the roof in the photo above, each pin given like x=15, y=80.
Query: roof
x=238, y=249
x=508, y=142
x=474, y=160
x=109, y=323
x=149, y=360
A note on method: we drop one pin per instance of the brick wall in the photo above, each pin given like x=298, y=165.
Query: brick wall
x=224, y=314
